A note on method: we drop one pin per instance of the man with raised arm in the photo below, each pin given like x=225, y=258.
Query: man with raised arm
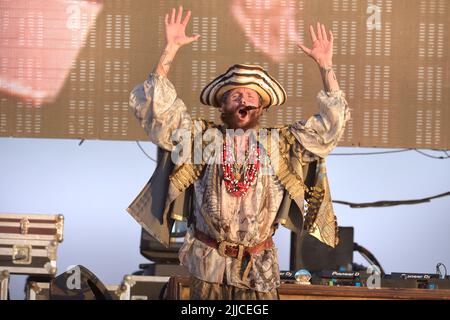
x=233, y=207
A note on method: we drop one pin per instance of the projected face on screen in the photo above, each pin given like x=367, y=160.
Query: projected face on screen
x=268, y=26
x=40, y=41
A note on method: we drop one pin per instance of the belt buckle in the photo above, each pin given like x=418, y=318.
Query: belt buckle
x=223, y=246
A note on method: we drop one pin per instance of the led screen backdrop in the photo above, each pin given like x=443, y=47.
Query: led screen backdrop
x=67, y=67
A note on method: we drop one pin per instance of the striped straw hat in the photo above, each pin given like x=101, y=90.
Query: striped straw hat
x=249, y=76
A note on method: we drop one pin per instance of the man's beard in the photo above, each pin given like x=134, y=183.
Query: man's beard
x=231, y=119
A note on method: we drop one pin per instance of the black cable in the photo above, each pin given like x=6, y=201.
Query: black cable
x=432, y=157
x=139, y=145
x=384, y=203
x=350, y=153
x=142, y=149
x=447, y=156
x=390, y=203
x=368, y=256
x=369, y=153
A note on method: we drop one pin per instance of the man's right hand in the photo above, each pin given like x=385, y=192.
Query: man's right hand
x=175, y=39
x=176, y=29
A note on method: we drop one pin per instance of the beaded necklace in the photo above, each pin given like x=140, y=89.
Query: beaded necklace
x=235, y=183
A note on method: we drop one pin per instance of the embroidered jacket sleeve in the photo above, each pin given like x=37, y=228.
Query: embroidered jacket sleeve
x=321, y=133
x=159, y=110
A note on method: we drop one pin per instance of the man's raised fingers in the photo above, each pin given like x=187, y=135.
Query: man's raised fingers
x=172, y=18
x=180, y=13
x=319, y=32
x=324, y=33
x=186, y=19
x=195, y=37
x=304, y=49
x=312, y=34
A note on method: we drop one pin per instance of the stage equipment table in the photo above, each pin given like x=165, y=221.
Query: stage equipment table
x=178, y=289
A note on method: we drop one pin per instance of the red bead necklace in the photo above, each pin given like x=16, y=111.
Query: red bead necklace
x=236, y=184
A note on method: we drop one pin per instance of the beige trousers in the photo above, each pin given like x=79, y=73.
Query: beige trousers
x=202, y=290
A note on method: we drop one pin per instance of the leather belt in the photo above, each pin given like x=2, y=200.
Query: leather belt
x=231, y=249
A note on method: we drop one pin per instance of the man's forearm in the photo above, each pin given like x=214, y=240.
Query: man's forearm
x=330, y=82
x=166, y=59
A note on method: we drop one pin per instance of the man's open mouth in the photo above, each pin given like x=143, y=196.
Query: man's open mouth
x=243, y=112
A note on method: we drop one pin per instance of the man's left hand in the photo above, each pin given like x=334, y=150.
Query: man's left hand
x=322, y=49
